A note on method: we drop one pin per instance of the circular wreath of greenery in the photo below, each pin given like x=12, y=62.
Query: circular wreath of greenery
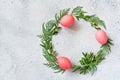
x=88, y=63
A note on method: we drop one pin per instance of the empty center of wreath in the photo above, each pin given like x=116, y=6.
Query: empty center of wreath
x=75, y=40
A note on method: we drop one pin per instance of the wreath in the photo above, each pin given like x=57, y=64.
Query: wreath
x=89, y=61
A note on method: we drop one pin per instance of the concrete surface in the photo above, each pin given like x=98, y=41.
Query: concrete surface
x=21, y=56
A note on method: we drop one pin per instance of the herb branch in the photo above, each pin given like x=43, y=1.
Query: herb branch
x=95, y=21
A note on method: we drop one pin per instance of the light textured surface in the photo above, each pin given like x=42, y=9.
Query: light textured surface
x=21, y=56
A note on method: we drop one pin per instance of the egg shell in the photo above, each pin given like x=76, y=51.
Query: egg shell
x=67, y=20
x=101, y=36
x=64, y=62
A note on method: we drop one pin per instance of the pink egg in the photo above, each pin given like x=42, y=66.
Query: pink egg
x=101, y=37
x=64, y=63
x=67, y=20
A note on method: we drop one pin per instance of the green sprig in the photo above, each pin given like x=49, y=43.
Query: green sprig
x=107, y=47
x=95, y=21
x=61, y=14
x=49, y=29
x=89, y=62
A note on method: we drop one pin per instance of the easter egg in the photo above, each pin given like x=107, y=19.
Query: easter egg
x=67, y=20
x=101, y=36
x=64, y=63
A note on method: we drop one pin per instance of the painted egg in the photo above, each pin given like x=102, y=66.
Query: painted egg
x=101, y=37
x=67, y=20
x=64, y=63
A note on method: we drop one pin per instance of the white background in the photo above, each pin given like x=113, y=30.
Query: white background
x=21, y=56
